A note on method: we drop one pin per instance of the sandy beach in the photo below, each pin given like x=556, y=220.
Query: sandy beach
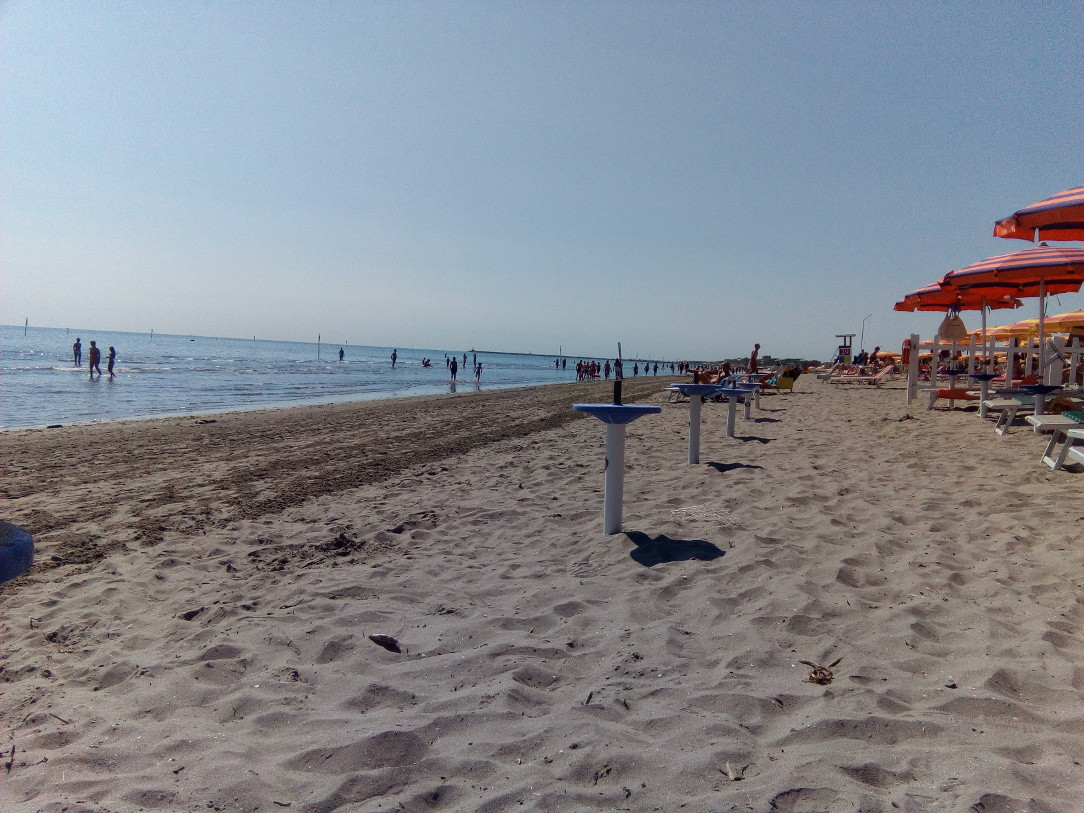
x=195, y=632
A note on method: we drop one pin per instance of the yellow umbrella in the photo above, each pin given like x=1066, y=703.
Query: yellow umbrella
x=1021, y=330
x=1066, y=321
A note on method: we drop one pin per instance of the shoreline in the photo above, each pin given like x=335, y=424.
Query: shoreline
x=467, y=384
x=203, y=636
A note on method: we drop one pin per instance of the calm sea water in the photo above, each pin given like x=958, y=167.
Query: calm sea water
x=181, y=375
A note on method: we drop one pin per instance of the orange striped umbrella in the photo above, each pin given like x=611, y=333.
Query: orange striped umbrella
x=1036, y=271
x=1058, y=218
x=936, y=297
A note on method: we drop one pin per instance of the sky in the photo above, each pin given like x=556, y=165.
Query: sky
x=684, y=178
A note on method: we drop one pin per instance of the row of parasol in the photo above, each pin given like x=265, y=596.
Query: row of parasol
x=1002, y=281
x=1028, y=328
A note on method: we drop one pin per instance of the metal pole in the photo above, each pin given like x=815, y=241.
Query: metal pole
x=862, y=338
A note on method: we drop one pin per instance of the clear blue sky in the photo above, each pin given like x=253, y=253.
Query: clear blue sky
x=686, y=178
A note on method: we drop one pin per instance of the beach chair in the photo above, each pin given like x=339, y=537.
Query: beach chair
x=876, y=379
x=1050, y=423
x=1008, y=409
x=949, y=394
x=1067, y=438
x=785, y=380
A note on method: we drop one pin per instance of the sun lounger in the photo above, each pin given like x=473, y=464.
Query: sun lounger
x=876, y=380
x=783, y=381
x=1050, y=423
x=1055, y=457
x=1008, y=409
x=950, y=395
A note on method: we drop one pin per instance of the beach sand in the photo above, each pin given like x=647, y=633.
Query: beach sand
x=195, y=633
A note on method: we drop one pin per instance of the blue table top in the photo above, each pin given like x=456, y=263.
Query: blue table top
x=1040, y=389
x=618, y=413
x=695, y=389
x=733, y=391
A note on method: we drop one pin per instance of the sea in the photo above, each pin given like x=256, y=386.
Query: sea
x=159, y=375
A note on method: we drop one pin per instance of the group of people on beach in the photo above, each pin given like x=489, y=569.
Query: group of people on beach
x=94, y=356
x=595, y=369
x=452, y=363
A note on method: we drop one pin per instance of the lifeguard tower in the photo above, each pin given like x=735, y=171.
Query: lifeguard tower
x=844, y=352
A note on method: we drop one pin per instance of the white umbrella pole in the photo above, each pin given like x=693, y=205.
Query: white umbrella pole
x=695, y=402
x=615, y=477
x=985, y=349
x=1042, y=331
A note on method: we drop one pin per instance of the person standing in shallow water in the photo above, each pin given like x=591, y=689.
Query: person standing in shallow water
x=95, y=359
x=342, y=354
x=454, y=367
x=112, y=357
x=77, y=352
x=394, y=356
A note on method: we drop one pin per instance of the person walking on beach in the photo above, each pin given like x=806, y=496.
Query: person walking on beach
x=394, y=356
x=95, y=359
x=454, y=367
x=77, y=351
x=753, y=358
x=112, y=357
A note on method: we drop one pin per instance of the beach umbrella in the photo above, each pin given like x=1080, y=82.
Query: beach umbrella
x=1066, y=321
x=1025, y=327
x=1058, y=218
x=1036, y=271
x=993, y=333
x=937, y=297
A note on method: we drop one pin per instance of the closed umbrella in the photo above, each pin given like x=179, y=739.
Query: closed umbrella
x=1035, y=271
x=1058, y=218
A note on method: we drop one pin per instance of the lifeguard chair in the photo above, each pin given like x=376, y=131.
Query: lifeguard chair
x=844, y=354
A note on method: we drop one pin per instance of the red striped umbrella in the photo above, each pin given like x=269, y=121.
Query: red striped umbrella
x=1058, y=218
x=1035, y=271
x=936, y=297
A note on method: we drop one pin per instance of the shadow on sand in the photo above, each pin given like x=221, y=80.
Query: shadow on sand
x=654, y=550
x=747, y=438
x=723, y=468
